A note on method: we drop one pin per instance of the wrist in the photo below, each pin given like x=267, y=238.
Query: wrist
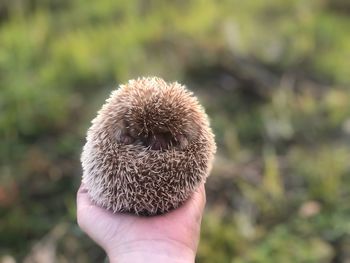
x=151, y=251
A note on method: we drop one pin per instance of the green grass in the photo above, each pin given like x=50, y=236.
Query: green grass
x=274, y=77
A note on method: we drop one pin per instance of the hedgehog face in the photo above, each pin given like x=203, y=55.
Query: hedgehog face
x=158, y=140
x=148, y=149
x=159, y=118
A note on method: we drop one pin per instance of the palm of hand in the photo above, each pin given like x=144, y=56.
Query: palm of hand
x=125, y=235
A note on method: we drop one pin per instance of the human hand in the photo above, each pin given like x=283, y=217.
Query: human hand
x=172, y=237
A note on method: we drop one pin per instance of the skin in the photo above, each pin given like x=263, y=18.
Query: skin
x=172, y=237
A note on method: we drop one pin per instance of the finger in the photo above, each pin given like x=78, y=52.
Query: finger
x=81, y=201
x=194, y=206
x=198, y=201
x=86, y=205
x=201, y=196
x=82, y=197
x=82, y=188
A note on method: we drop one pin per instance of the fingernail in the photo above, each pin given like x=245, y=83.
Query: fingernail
x=82, y=189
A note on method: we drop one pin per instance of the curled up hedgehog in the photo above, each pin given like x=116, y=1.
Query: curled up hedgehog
x=148, y=149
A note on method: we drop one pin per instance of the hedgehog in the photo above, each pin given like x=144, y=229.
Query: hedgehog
x=148, y=149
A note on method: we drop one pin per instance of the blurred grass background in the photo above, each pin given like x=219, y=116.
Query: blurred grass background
x=273, y=75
